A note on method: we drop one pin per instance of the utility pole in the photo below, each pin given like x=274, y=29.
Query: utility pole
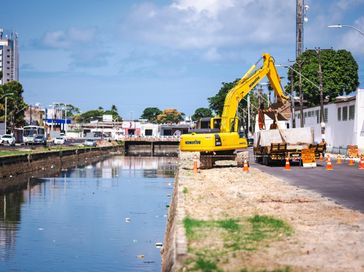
x=299, y=27
x=302, y=120
x=292, y=100
x=299, y=49
x=6, y=105
x=248, y=98
x=322, y=123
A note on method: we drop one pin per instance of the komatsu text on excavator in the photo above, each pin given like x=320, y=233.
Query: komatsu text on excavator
x=222, y=136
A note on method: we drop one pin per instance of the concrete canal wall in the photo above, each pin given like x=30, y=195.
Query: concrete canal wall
x=175, y=243
x=15, y=171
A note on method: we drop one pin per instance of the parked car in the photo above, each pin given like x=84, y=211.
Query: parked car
x=7, y=139
x=39, y=139
x=59, y=140
x=90, y=142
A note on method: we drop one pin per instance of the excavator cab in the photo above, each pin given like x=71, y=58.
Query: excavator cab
x=207, y=125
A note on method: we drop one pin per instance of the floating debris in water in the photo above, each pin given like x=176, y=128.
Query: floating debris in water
x=158, y=245
x=167, y=206
x=140, y=256
x=165, y=216
x=149, y=262
x=169, y=195
x=169, y=184
x=127, y=220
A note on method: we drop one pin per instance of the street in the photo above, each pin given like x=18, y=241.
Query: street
x=344, y=184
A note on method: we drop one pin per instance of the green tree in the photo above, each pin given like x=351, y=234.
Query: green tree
x=151, y=114
x=72, y=110
x=114, y=112
x=15, y=104
x=170, y=116
x=91, y=115
x=201, y=113
x=339, y=72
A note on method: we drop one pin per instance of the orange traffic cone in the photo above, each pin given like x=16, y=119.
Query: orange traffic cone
x=338, y=159
x=195, y=164
x=361, y=163
x=246, y=167
x=321, y=157
x=351, y=162
x=287, y=167
x=328, y=163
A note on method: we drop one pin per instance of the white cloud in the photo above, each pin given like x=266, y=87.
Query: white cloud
x=210, y=7
x=213, y=24
x=212, y=55
x=64, y=39
x=352, y=40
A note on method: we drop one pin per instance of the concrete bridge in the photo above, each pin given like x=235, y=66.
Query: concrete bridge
x=151, y=146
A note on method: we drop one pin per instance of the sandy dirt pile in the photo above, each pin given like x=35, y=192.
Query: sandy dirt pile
x=326, y=236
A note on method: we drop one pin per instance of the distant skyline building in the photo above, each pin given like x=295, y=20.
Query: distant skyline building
x=9, y=57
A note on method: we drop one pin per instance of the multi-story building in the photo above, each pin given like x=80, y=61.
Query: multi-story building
x=9, y=57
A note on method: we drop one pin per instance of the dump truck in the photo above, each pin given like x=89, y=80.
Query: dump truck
x=276, y=145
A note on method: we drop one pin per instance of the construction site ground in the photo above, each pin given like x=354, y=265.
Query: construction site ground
x=255, y=221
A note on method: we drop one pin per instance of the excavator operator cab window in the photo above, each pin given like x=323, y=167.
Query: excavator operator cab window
x=204, y=124
x=217, y=123
x=241, y=130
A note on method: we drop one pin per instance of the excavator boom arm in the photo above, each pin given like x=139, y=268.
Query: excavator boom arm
x=245, y=85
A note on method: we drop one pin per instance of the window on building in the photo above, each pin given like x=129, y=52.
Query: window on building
x=148, y=132
x=326, y=115
x=317, y=113
x=345, y=113
x=351, y=112
x=305, y=114
x=339, y=114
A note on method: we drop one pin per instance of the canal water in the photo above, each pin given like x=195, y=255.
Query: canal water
x=103, y=217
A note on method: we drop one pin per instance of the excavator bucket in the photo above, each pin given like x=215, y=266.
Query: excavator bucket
x=280, y=109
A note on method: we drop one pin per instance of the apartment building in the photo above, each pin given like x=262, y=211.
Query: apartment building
x=9, y=57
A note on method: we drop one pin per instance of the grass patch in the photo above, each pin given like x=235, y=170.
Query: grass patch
x=185, y=190
x=41, y=149
x=205, y=265
x=10, y=153
x=211, y=241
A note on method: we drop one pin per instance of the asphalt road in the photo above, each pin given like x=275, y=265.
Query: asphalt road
x=344, y=184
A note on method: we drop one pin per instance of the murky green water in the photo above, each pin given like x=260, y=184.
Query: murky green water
x=103, y=217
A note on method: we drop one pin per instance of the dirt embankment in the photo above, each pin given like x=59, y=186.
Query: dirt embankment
x=322, y=236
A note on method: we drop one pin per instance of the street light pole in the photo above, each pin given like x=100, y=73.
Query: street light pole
x=322, y=123
x=6, y=106
x=350, y=26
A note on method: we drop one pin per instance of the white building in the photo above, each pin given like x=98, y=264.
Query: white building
x=344, y=121
x=9, y=57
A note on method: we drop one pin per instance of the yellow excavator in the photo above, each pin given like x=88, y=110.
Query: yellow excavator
x=220, y=138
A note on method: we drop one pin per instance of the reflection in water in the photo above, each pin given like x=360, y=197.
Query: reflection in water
x=77, y=222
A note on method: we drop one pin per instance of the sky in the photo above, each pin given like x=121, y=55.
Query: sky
x=162, y=53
